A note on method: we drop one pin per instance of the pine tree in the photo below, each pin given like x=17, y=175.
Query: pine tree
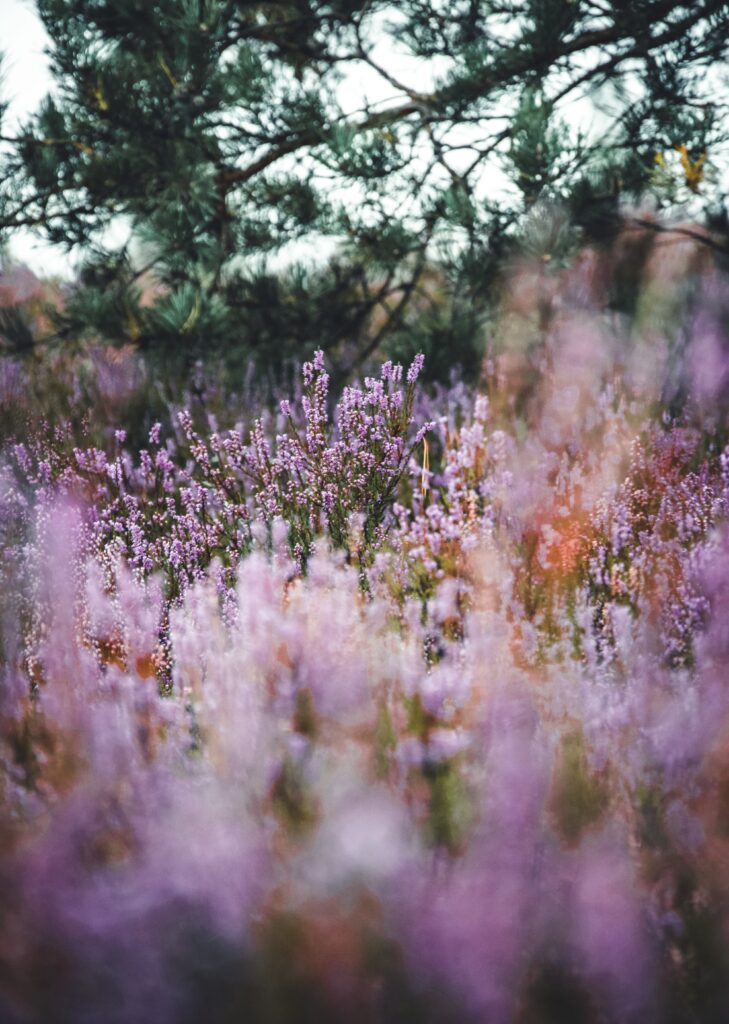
x=218, y=132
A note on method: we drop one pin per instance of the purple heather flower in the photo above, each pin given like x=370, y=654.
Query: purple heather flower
x=415, y=367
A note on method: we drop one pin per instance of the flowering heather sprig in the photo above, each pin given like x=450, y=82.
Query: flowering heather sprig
x=321, y=470
x=458, y=507
x=179, y=507
x=648, y=542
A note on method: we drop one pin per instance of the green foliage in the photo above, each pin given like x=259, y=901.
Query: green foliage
x=580, y=796
x=540, y=147
x=221, y=131
x=450, y=813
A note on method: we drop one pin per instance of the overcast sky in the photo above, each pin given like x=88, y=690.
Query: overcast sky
x=22, y=38
x=26, y=81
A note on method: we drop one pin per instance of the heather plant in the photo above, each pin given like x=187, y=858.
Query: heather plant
x=319, y=473
x=316, y=807
x=196, y=499
x=627, y=512
x=648, y=543
x=404, y=707
x=88, y=391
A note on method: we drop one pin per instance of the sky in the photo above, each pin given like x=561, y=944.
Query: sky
x=26, y=80
x=26, y=76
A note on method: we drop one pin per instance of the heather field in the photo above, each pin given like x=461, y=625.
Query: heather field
x=364, y=511
x=396, y=703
